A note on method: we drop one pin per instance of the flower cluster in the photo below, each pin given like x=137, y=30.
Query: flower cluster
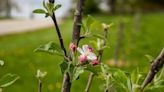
x=87, y=55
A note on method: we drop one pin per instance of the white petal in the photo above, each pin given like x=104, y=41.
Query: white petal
x=80, y=50
x=85, y=48
x=91, y=56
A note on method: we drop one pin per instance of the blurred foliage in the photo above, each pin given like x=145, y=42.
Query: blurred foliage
x=17, y=51
x=91, y=6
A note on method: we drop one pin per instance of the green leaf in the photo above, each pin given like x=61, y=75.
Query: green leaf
x=120, y=77
x=94, y=69
x=1, y=63
x=96, y=26
x=51, y=48
x=98, y=36
x=89, y=21
x=155, y=88
x=71, y=68
x=129, y=83
x=44, y=5
x=83, y=26
x=39, y=11
x=47, y=14
x=50, y=6
x=57, y=7
x=150, y=58
x=64, y=66
x=135, y=76
x=78, y=70
x=104, y=69
x=8, y=79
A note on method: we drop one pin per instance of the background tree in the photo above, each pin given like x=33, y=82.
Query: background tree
x=91, y=6
x=6, y=7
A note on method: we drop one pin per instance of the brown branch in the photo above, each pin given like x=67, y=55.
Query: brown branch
x=66, y=86
x=77, y=21
x=75, y=39
x=156, y=65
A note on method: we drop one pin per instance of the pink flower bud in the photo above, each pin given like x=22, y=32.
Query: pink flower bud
x=82, y=58
x=95, y=62
x=90, y=49
x=72, y=47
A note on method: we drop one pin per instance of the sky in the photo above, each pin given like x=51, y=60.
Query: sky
x=27, y=6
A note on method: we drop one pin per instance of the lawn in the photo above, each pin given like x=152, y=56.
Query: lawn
x=17, y=52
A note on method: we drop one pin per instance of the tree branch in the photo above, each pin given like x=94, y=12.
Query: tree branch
x=59, y=34
x=75, y=39
x=77, y=21
x=156, y=65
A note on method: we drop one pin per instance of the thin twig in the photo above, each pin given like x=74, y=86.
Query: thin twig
x=89, y=82
x=100, y=52
x=66, y=86
x=39, y=85
x=156, y=65
x=59, y=34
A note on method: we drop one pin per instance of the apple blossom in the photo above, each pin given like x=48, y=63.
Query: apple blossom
x=87, y=53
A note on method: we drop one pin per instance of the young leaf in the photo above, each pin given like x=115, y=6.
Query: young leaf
x=57, y=7
x=83, y=26
x=39, y=11
x=129, y=82
x=78, y=70
x=8, y=79
x=89, y=21
x=99, y=36
x=64, y=66
x=47, y=14
x=155, y=88
x=135, y=76
x=40, y=74
x=71, y=69
x=94, y=69
x=50, y=6
x=44, y=5
x=150, y=58
x=105, y=70
x=51, y=48
x=120, y=77
x=1, y=63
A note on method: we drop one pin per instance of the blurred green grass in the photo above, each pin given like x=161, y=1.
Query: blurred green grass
x=17, y=52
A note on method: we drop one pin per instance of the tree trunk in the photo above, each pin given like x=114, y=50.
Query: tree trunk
x=8, y=8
